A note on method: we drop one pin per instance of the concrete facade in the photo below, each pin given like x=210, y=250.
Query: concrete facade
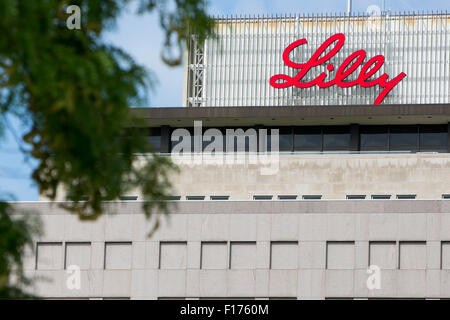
x=332, y=175
x=244, y=248
x=247, y=249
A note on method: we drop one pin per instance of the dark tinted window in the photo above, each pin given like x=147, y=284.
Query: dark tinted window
x=195, y=197
x=371, y=140
x=287, y=197
x=154, y=131
x=336, y=138
x=403, y=137
x=285, y=142
x=406, y=196
x=284, y=139
x=153, y=136
x=374, y=137
x=356, y=197
x=262, y=197
x=433, y=136
x=381, y=196
x=307, y=139
x=155, y=142
x=312, y=197
x=437, y=139
x=220, y=197
x=128, y=198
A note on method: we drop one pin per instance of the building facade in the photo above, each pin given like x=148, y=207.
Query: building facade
x=305, y=172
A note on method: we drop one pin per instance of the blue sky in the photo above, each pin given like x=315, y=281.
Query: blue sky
x=141, y=37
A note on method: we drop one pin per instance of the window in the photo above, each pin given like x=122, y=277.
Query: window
x=117, y=255
x=154, y=138
x=214, y=255
x=220, y=197
x=195, y=197
x=262, y=197
x=406, y=196
x=243, y=255
x=286, y=139
x=283, y=255
x=226, y=298
x=381, y=196
x=356, y=197
x=403, y=138
x=172, y=255
x=374, y=138
x=340, y=255
x=412, y=138
x=49, y=256
x=308, y=139
x=173, y=198
x=312, y=197
x=128, y=198
x=433, y=138
x=413, y=255
x=446, y=196
x=152, y=135
x=287, y=197
x=79, y=254
x=336, y=138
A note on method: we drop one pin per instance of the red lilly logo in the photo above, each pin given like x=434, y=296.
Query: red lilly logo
x=348, y=66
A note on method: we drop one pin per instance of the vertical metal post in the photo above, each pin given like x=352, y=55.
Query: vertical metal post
x=354, y=137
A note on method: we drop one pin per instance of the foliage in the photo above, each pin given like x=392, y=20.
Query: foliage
x=74, y=91
x=16, y=237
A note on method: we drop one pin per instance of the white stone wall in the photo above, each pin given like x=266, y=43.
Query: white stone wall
x=249, y=249
x=334, y=176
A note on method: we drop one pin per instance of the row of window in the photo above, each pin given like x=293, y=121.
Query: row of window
x=228, y=298
x=349, y=197
x=290, y=197
x=295, y=298
x=240, y=298
x=310, y=197
x=242, y=255
x=331, y=138
x=87, y=298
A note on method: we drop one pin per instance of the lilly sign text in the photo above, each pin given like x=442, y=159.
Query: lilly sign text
x=348, y=66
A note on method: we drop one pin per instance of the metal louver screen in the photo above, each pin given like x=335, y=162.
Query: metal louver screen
x=234, y=69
